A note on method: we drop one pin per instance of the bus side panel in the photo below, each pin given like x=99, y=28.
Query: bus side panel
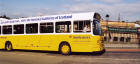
x=45, y=42
x=78, y=43
x=32, y=42
x=28, y=42
x=2, y=42
x=18, y=41
x=85, y=43
x=53, y=41
x=81, y=43
x=4, y=39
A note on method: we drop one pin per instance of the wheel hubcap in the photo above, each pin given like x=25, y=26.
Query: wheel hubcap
x=65, y=49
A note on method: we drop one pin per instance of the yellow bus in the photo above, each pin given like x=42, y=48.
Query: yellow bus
x=66, y=33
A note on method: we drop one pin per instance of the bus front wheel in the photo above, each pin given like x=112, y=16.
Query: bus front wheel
x=8, y=46
x=65, y=49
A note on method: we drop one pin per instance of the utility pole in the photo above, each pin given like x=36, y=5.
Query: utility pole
x=119, y=20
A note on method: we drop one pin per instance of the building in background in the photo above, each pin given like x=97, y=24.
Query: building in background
x=116, y=32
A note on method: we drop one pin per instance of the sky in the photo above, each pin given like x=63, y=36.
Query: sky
x=129, y=10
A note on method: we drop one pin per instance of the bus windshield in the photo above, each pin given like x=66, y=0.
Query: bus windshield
x=96, y=27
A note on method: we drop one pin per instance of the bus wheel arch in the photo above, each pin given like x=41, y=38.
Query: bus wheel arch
x=8, y=46
x=65, y=48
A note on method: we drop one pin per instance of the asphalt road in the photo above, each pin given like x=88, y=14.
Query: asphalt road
x=37, y=57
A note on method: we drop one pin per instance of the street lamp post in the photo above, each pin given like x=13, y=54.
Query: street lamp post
x=107, y=19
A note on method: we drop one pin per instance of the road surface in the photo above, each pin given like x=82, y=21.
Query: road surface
x=37, y=57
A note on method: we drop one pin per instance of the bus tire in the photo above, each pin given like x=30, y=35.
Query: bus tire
x=65, y=49
x=8, y=46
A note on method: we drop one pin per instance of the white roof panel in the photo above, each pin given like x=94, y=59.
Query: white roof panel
x=50, y=18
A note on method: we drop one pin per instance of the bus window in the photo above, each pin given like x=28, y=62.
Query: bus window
x=19, y=29
x=7, y=29
x=31, y=28
x=96, y=27
x=63, y=27
x=0, y=29
x=82, y=26
x=46, y=27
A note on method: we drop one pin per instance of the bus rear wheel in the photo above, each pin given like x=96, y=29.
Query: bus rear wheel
x=65, y=49
x=8, y=47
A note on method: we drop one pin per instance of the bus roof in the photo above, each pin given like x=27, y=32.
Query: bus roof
x=51, y=18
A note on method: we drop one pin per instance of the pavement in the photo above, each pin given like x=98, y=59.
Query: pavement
x=123, y=46
x=123, y=50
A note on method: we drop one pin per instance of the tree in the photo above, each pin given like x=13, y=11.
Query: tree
x=4, y=16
